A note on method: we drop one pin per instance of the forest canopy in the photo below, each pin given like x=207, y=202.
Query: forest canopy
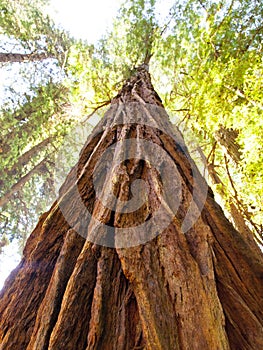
x=205, y=58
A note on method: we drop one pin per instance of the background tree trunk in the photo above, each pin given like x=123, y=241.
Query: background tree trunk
x=40, y=167
x=26, y=157
x=195, y=290
x=9, y=57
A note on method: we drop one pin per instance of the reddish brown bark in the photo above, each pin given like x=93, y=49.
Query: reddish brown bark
x=195, y=290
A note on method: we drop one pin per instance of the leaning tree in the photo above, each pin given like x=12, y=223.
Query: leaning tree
x=135, y=253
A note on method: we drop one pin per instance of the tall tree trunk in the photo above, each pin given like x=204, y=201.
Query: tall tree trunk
x=26, y=157
x=39, y=168
x=104, y=271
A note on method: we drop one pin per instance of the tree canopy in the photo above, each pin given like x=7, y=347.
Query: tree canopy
x=206, y=61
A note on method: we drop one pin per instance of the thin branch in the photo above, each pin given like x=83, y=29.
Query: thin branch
x=95, y=110
x=166, y=25
x=181, y=110
x=224, y=18
x=257, y=31
x=203, y=6
x=231, y=180
x=239, y=203
x=186, y=117
x=240, y=94
x=212, y=153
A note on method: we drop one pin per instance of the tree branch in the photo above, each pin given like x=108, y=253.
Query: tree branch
x=25, y=158
x=16, y=187
x=95, y=110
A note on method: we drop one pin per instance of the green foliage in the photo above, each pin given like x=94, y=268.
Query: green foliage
x=27, y=23
x=98, y=71
x=38, y=126
x=34, y=117
x=38, y=117
x=214, y=57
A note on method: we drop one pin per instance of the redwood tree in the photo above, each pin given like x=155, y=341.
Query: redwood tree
x=150, y=266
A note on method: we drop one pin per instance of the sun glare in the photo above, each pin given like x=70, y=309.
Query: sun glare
x=85, y=19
